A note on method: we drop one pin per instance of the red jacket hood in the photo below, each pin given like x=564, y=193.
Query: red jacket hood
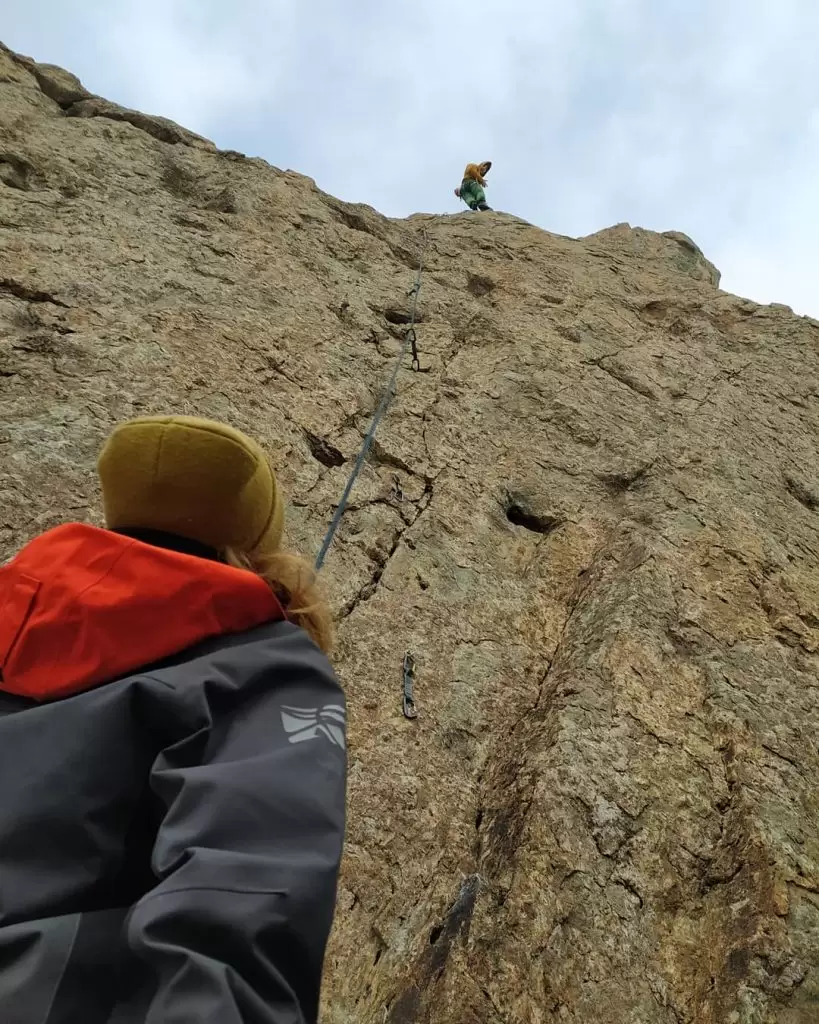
x=81, y=606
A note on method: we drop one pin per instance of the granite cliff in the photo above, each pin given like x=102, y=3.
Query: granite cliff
x=593, y=517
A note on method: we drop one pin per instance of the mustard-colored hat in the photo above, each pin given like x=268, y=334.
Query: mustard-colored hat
x=195, y=478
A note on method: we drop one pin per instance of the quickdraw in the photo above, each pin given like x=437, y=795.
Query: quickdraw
x=410, y=710
x=412, y=338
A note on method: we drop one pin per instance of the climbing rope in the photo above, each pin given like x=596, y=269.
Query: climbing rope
x=410, y=341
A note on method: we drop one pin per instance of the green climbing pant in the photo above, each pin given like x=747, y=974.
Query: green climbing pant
x=472, y=193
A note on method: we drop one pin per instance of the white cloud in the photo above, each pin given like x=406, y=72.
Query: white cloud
x=172, y=69
x=692, y=115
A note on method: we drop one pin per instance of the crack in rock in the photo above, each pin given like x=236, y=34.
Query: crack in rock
x=23, y=291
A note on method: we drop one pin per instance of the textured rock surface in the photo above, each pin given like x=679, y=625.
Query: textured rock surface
x=594, y=519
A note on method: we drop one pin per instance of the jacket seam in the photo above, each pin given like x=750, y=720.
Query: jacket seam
x=212, y=888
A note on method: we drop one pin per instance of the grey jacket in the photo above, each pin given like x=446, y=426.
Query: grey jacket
x=170, y=840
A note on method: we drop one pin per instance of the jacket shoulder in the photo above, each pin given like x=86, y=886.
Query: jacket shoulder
x=277, y=661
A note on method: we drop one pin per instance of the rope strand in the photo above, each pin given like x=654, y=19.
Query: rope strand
x=409, y=340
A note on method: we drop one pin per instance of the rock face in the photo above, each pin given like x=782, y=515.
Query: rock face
x=593, y=517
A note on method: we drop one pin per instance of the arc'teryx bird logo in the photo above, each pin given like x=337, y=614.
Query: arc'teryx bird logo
x=302, y=724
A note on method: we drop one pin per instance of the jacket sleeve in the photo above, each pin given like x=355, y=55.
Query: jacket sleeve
x=248, y=850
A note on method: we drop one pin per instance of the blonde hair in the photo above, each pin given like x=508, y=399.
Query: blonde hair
x=293, y=581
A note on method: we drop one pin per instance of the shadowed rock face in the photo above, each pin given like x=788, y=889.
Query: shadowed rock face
x=593, y=519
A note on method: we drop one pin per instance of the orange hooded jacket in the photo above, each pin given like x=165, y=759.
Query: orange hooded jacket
x=477, y=171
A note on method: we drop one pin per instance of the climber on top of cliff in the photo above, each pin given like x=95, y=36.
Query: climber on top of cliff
x=473, y=185
x=172, y=752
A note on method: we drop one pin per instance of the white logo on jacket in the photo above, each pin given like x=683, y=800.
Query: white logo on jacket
x=302, y=724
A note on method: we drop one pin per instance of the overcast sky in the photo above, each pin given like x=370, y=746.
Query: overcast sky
x=700, y=116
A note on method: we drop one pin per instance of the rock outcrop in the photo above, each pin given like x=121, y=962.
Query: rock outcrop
x=593, y=517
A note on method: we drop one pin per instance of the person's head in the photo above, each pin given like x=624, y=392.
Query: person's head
x=485, y=167
x=212, y=488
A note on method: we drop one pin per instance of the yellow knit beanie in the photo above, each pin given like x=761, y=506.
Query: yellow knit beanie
x=195, y=478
